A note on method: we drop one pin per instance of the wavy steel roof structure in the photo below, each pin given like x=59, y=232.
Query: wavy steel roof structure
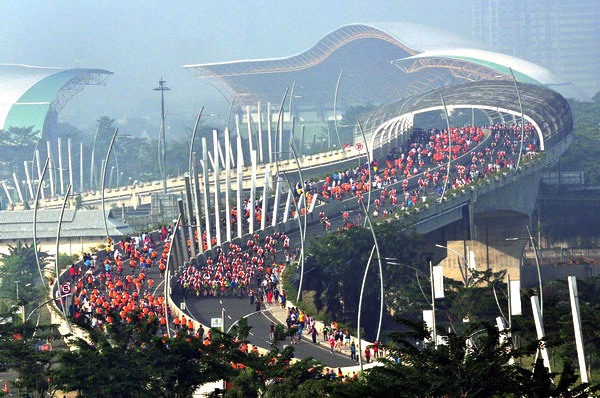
x=545, y=109
x=29, y=95
x=381, y=62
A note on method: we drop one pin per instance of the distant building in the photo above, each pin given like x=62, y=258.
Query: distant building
x=81, y=229
x=563, y=36
x=32, y=96
x=362, y=63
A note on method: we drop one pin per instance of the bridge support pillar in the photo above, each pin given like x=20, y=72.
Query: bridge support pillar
x=490, y=246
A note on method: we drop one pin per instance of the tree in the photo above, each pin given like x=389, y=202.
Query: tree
x=18, y=137
x=131, y=360
x=19, y=350
x=471, y=364
x=337, y=263
x=19, y=265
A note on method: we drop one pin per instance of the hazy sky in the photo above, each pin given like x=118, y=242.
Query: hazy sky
x=142, y=40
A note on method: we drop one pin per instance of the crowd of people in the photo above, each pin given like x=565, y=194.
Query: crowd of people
x=239, y=270
x=118, y=285
x=418, y=171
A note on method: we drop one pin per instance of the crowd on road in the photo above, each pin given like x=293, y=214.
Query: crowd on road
x=239, y=270
x=118, y=284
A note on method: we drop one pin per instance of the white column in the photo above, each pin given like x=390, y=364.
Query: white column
x=265, y=203
x=206, y=193
x=539, y=327
x=573, y=294
x=51, y=171
x=249, y=124
x=269, y=138
x=197, y=202
x=288, y=203
x=252, y=191
x=276, y=201
x=217, y=179
x=18, y=187
x=240, y=185
x=81, y=167
x=7, y=192
x=260, y=142
x=28, y=177
x=39, y=171
x=60, y=168
x=240, y=154
x=70, y=162
x=227, y=185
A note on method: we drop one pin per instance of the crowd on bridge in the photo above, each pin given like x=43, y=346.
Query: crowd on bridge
x=239, y=270
x=417, y=171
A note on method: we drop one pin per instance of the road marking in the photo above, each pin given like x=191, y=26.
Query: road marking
x=228, y=316
x=251, y=334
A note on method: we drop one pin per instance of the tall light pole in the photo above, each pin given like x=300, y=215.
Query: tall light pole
x=464, y=274
x=162, y=87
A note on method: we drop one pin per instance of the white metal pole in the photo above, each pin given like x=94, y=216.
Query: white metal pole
x=434, y=331
x=240, y=154
x=539, y=327
x=288, y=203
x=206, y=194
x=7, y=192
x=252, y=191
x=276, y=200
x=227, y=185
x=572, y=280
x=240, y=185
x=60, y=167
x=249, y=124
x=18, y=187
x=260, y=141
x=70, y=162
x=217, y=179
x=28, y=177
x=263, y=219
x=197, y=201
x=52, y=169
x=269, y=138
x=39, y=170
x=81, y=167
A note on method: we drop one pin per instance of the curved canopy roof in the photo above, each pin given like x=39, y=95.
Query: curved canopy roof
x=28, y=94
x=545, y=107
x=383, y=62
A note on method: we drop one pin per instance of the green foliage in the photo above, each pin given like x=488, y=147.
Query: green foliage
x=471, y=364
x=19, y=265
x=18, y=137
x=18, y=350
x=584, y=153
x=131, y=360
x=337, y=264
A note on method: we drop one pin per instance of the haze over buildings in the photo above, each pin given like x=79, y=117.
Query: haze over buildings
x=141, y=42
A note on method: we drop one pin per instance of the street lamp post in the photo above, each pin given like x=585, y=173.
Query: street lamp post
x=162, y=87
x=465, y=274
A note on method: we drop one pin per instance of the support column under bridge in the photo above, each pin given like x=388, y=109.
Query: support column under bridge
x=488, y=221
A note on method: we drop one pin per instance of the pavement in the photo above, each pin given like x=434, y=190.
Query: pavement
x=204, y=309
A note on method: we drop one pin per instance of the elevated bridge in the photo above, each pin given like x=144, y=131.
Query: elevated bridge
x=477, y=218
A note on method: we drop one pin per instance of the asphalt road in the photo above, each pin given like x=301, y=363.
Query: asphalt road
x=204, y=309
